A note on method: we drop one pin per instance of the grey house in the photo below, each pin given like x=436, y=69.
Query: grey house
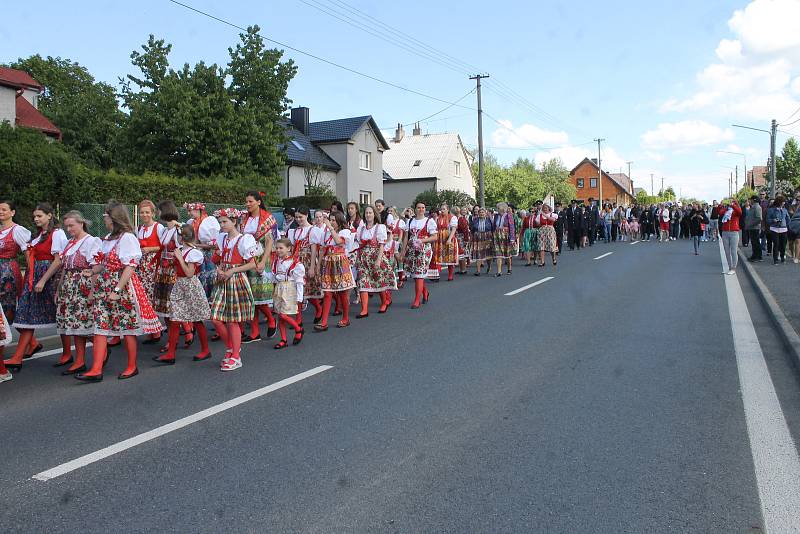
x=345, y=154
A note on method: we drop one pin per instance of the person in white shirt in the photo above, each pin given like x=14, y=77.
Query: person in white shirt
x=288, y=274
x=417, y=251
x=336, y=277
x=206, y=230
x=13, y=239
x=375, y=273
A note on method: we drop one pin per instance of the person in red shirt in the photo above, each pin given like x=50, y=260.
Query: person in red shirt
x=729, y=212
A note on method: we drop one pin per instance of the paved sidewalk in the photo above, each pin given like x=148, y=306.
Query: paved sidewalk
x=783, y=281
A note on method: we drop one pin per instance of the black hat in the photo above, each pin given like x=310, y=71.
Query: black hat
x=573, y=201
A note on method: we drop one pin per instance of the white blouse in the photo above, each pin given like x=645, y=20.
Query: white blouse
x=57, y=245
x=453, y=222
x=208, y=231
x=312, y=233
x=128, y=249
x=21, y=235
x=192, y=255
x=325, y=239
x=378, y=232
x=246, y=244
x=416, y=225
x=280, y=273
x=146, y=231
x=166, y=235
x=88, y=246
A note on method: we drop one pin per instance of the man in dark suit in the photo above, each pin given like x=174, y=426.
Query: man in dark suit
x=573, y=221
x=592, y=217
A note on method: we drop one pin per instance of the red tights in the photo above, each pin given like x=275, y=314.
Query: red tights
x=283, y=320
x=265, y=309
x=100, y=352
x=342, y=302
x=174, y=333
x=231, y=335
x=420, y=291
x=27, y=342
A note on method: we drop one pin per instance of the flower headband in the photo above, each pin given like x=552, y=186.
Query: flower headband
x=231, y=213
x=195, y=206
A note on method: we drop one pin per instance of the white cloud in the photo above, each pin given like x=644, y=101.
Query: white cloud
x=654, y=156
x=754, y=78
x=683, y=135
x=572, y=155
x=526, y=135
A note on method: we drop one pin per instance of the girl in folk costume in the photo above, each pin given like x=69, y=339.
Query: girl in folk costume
x=375, y=272
x=74, y=316
x=354, y=222
x=206, y=230
x=232, y=301
x=149, y=234
x=320, y=221
x=504, y=237
x=303, y=239
x=335, y=276
x=446, y=245
x=481, y=239
x=417, y=251
x=187, y=300
x=36, y=306
x=397, y=227
x=5, y=339
x=463, y=238
x=530, y=235
x=119, y=306
x=259, y=223
x=548, y=241
x=13, y=239
x=288, y=274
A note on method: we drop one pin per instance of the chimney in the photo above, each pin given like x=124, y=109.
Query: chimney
x=299, y=119
x=594, y=160
x=399, y=133
x=417, y=130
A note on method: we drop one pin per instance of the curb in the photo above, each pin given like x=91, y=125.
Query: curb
x=785, y=328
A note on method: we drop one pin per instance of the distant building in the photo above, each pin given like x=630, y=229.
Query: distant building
x=637, y=190
x=19, y=102
x=758, y=176
x=419, y=162
x=344, y=154
x=617, y=187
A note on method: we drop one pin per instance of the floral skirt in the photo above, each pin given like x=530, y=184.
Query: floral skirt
x=418, y=260
x=481, y=246
x=530, y=240
x=73, y=310
x=374, y=279
x=5, y=329
x=502, y=245
x=463, y=247
x=335, y=273
x=10, y=285
x=445, y=253
x=188, y=301
x=260, y=286
x=548, y=241
x=122, y=317
x=38, y=310
x=146, y=271
x=232, y=300
x=284, y=298
x=311, y=289
x=208, y=273
x=165, y=279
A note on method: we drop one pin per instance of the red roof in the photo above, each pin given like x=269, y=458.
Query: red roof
x=18, y=78
x=30, y=117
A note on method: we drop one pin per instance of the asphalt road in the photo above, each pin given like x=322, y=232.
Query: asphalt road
x=604, y=400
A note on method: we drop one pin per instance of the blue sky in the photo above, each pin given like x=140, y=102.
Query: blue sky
x=661, y=82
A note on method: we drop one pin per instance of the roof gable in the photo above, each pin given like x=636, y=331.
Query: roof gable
x=422, y=156
x=609, y=176
x=305, y=152
x=30, y=117
x=342, y=130
x=18, y=78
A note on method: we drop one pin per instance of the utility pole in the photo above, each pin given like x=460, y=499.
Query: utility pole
x=736, y=186
x=599, y=174
x=662, y=185
x=481, y=198
x=773, y=134
x=652, y=190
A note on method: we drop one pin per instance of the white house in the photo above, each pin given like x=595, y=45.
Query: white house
x=19, y=102
x=420, y=162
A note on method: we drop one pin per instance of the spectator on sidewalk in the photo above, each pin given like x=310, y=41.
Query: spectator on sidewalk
x=745, y=238
x=752, y=226
x=794, y=234
x=713, y=222
x=766, y=238
x=697, y=220
x=729, y=212
x=778, y=220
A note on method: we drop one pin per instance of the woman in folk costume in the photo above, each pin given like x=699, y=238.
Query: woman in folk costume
x=463, y=238
x=397, y=227
x=548, y=242
x=288, y=274
x=5, y=339
x=149, y=234
x=375, y=272
x=446, y=245
x=13, y=239
x=74, y=314
x=232, y=301
x=119, y=306
x=417, y=252
x=206, y=230
x=354, y=222
x=259, y=223
x=303, y=238
x=530, y=235
x=36, y=306
x=481, y=239
x=187, y=300
x=335, y=275
x=504, y=237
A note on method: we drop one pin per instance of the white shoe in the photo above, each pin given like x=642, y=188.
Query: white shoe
x=230, y=364
x=6, y=377
x=731, y=272
x=796, y=260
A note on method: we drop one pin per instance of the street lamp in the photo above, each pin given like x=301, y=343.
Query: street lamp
x=745, y=161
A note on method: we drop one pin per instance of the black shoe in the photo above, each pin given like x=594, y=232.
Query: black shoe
x=247, y=339
x=271, y=331
x=85, y=378
x=36, y=349
x=62, y=364
x=170, y=361
x=201, y=358
x=362, y=315
x=16, y=367
x=298, y=337
x=123, y=376
x=80, y=369
x=317, y=320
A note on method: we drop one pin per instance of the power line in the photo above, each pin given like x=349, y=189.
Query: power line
x=318, y=58
x=794, y=121
x=426, y=121
x=789, y=117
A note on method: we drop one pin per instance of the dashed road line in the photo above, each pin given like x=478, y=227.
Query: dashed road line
x=601, y=256
x=525, y=288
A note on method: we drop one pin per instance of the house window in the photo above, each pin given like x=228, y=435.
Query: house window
x=417, y=163
x=298, y=146
x=580, y=183
x=364, y=197
x=592, y=182
x=457, y=169
x=364, y=160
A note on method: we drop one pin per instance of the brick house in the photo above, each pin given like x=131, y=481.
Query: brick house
x=758, y=176
x=617, y=187
x=19, y=102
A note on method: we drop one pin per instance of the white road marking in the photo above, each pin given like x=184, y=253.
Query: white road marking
x=52, y=352
x=634, y=242
x=525, y=288
x=777, y=466
x=600, y=257
x=96, y=456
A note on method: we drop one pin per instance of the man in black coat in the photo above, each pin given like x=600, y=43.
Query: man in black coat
x=573, y=220
x=592, y=218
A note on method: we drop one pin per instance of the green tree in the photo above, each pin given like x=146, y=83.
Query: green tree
x=522, y=183
x=451, y=197
x=787, y=165
x=84, y=109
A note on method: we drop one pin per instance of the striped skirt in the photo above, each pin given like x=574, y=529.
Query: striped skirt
x=503, y=247
x=548, y=241
x=232, y=300
x=530, y=240
x=481, y=246
x=335, y=273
